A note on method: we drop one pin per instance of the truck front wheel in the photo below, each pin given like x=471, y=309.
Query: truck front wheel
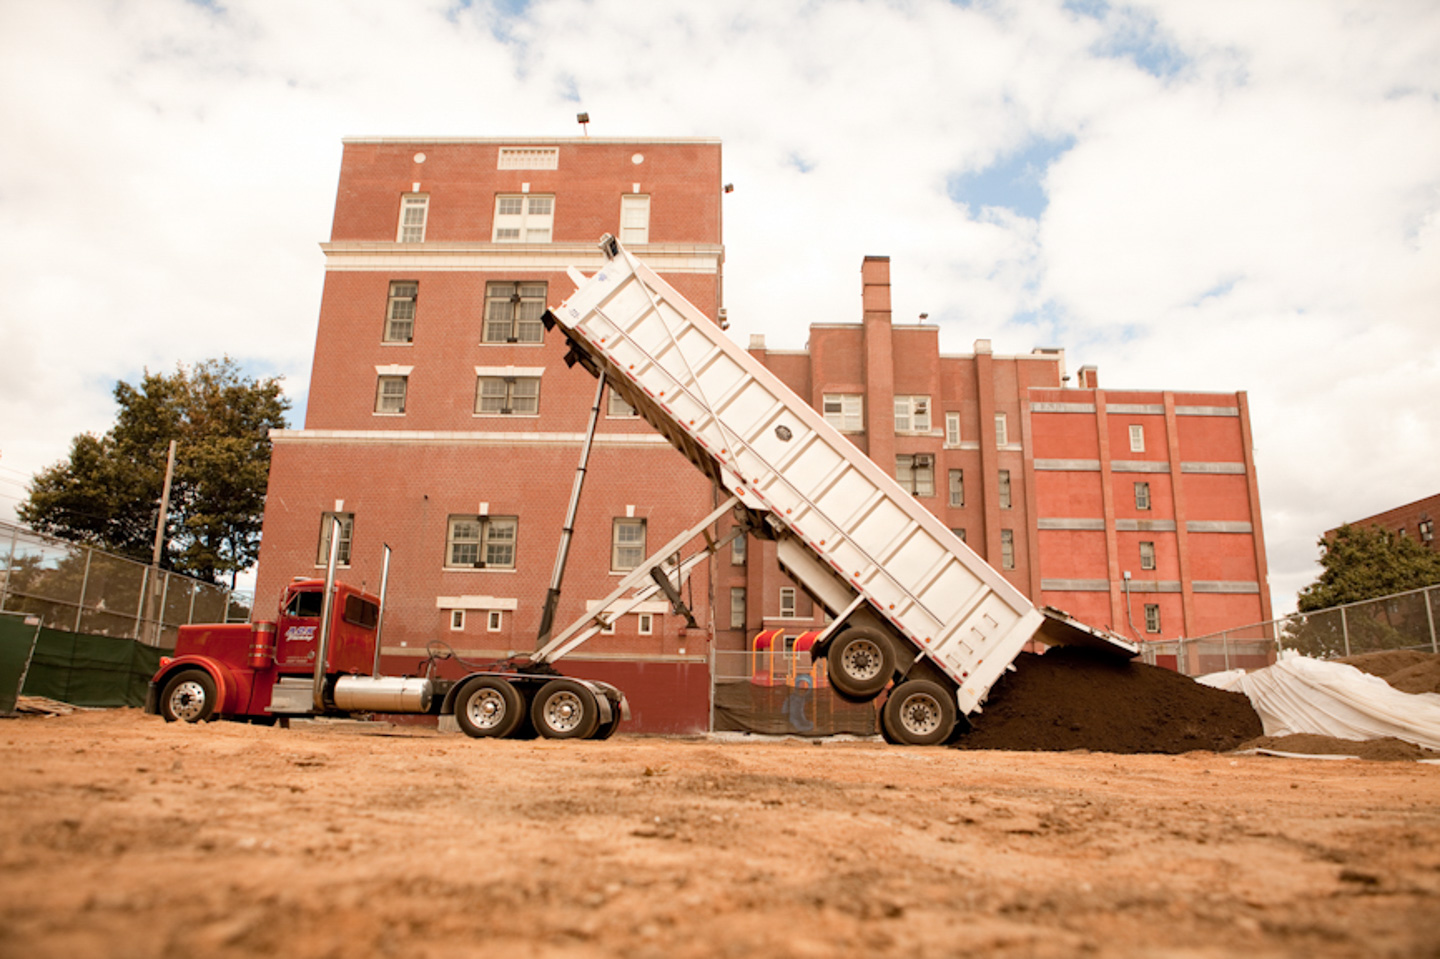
x=188, y=697
x=860, y=662
x=564, y=709
x=918, y=713
x=489, y=708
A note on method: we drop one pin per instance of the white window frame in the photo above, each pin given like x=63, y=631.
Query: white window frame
x=414, y=212
x=1147, y=554
x=1002, y=429
x=620, y=544
x=1003, y=487
x=645, y=624
x=616, y=407
x=787, y=602
x=737, y=607
x=494, y=620
x=507, y=395
x=959, y=533
x=524, y=301
x=912, y=414
x=457, y=620
x=956, y=484
x=1152, y=617
x=347, y=536
x=494, y=540
x=392, y=391
x=1137, y=438
x=524, y=218
x=917, y=476
x=1007, y=549
x=635, y=219
x=844, y=411
x=1142, y=496
x=737, y=550
x=400, y=312
x=952, y=429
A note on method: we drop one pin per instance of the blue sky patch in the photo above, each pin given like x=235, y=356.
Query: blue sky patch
x=1015, y=181
x=1133, y=35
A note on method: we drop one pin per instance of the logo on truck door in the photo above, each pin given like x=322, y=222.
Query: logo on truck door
x=300, y=634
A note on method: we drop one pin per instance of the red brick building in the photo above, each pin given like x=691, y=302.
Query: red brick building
x=1416, y=520
x=443, y=421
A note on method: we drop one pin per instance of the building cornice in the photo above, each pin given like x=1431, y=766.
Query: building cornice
x=530, y=141
x=372, y=255
x=459, y=438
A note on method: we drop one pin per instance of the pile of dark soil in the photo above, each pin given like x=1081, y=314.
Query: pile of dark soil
x=1388, y=749
x=1405, y=669
x=1074, y=698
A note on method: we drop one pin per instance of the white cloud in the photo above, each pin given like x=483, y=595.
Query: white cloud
x=1250, y=202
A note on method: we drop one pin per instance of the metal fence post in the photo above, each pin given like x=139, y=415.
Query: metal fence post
x=1225, y=645
x=1345, y=630
x=9, y=566
x=84, y=585
x=1430, y=615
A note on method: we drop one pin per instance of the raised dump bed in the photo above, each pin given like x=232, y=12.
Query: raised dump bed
x=911, y=603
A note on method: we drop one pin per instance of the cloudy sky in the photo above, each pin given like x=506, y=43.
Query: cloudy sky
x=1199, y=194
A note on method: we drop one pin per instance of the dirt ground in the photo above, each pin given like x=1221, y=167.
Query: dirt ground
x=123, y=836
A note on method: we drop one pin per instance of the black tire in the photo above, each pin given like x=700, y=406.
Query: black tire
x=489, y=708
x=919, y=713
x=565, y=709
x=860, y=663
x=606, y=730
x=188, y=697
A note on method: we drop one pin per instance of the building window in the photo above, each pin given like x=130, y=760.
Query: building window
x=737, y=607
x=616, y=408
x=481, y=542
x=1142, y=495
x=1002, y=430
x=646, y=623
x=400, y=312
x=1007, y=549
x=787, y=602
x=457, y=620
x=634, y=219
x=1427, y=531
x=916, y=473
x=959, y=534
x=1147, y=555
x=390, y=394
x=912, y=414
x=1152, y=617
x=844, y=411
x=524, y=218
x=494, y=619
x=413, y=209
x=952, y=429
x=507, y=395
x=1137, y=439
x=1004, y=489
x=737, y=549
x=627, y=544
x=529, y=158
x=512, y=313
x=957, y=488
x=347, y=529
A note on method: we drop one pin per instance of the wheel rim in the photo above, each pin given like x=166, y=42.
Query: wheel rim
x=920, y=714
x=861, y=660
x=564, y=712
x=187, y=701
x=486, y=709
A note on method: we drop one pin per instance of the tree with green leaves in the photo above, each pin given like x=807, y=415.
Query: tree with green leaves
x=1367, y=562
x=107, y=493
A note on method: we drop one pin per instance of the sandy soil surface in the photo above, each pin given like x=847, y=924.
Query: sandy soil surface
x=123, y=836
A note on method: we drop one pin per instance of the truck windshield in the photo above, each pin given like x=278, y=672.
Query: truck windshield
x=307, y=605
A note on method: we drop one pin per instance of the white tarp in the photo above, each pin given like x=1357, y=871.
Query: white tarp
x=1303, y=695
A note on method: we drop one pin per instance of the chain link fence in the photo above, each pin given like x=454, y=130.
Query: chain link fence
x=83, y=590
x=1400, y=621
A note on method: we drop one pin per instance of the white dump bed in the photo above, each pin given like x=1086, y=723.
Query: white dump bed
x=846, y=528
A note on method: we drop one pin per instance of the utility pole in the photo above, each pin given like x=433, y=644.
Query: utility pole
x=150, y=613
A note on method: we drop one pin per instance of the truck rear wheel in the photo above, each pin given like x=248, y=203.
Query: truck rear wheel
x=188, y=697
x=565, y=709
x=919, y=713
x=860, y=663
x=489, y=708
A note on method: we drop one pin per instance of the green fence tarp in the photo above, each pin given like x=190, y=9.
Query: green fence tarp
x=88, y=670
x=17, y=643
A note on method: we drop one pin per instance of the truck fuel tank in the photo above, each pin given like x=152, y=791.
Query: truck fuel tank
x=382, y=694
